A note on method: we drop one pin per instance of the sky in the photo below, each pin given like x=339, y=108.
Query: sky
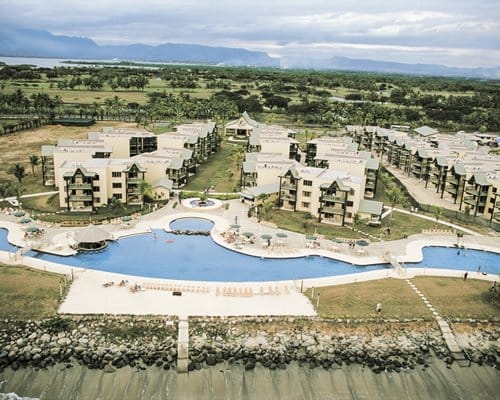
x=451, y=32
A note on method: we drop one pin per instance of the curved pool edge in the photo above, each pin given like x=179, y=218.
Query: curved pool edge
x=413, y=247
x=104, y=276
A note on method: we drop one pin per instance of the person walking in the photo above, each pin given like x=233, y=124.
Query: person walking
x=378, y=308
x=465, y=276
x=493, y=287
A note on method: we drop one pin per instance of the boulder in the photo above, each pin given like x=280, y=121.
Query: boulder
x=254, y=343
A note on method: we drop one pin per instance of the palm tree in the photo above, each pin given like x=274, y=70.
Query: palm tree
x=114, y=204
x=238, y=155
x=18, y=171
x=146, y=190
x=34, y=159
x=438, y=211
x=5, y=190
x=395, y=196
x=19, y=192
x=355, y=221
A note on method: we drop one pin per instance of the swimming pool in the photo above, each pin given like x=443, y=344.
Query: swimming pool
x=198, y=258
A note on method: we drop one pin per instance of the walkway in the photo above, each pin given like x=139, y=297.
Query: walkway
x=417, y=189
x=454, y=226
x=450, y=339
x=13, y=199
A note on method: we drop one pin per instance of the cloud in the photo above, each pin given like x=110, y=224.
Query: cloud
x=426, y=29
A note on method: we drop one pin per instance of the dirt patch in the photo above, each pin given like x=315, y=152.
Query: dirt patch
x=17, y=147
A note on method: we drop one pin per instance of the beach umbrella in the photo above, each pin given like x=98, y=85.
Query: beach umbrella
x=281, y=235
x=235, y=226
x=362, y=242
x=336, y=240
x=248, y=234
x=126, y=218
x=25, y=220
x=311, y=237
x=32, y=229
x=19, y=214
x=266, y=237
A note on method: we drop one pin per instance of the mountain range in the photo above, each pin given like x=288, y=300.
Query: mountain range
x=22, y=42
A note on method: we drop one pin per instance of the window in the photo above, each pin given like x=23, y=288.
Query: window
x=308, y=183
x=305, y=205
x=97, y=199
x=117, y=185
x=349, y=203
x=116, y=174
x=117, y=196
x=306, y=194
x=96, y=188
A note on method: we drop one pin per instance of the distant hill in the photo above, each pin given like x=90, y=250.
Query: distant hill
x=19, y=42
x=353, y=64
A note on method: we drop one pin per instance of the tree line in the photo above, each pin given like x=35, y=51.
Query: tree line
x=372, y=99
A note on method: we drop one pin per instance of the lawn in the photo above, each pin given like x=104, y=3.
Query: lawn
x=28, y=294
x=84, y=95
x=298, y=221
x=453, y=297
x=219, y=171
x=358, y=300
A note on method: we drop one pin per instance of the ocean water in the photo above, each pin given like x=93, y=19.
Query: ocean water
x=234, y=383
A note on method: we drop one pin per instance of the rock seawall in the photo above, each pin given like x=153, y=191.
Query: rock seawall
x=109, y=343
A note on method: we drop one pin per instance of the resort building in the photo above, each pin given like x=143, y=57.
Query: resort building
x=261, y=169
x=126, y=142
x=112, y=164
x=87, y=185
x=455, y=167
x=335, y=186
x=241, y=128
x=72, y=150
x=332, y=196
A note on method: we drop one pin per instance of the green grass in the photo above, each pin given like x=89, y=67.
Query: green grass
x=43, y=204
x=358, y=300
x=453, y=297
x=298, y=221
x=216, y=172
x=28, y=294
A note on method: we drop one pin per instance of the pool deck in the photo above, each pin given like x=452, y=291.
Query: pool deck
x=88, y=295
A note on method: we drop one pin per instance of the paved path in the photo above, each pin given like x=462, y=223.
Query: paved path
x=449, y=337
x=416, y=187
x=13, y=199
x=454, y=226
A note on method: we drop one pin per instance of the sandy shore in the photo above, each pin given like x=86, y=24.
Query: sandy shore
x=223, y=382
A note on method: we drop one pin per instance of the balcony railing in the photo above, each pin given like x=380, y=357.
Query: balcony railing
x=79, y=186
x=471, y=190
x=332, y=210
x=333, y=199
x=288, y=186
x=80, y=198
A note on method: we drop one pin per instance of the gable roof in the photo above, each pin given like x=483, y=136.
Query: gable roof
x=370, y=207
x=426, y=131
